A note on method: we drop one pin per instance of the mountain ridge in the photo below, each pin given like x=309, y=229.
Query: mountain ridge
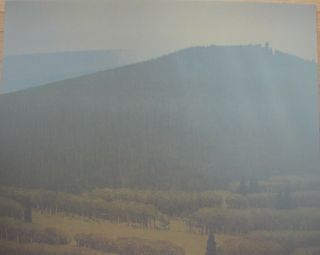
x=256, y=46
x=193, y=119
x=57, y=66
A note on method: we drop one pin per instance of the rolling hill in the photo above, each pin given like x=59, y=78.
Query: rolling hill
x=193, y=119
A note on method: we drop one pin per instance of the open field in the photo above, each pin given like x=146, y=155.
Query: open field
x=193, y=243
x=251, y=218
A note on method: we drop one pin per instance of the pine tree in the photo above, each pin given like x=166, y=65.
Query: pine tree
x=211, y=245
x=28, y=210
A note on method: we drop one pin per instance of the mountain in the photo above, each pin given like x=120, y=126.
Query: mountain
x=193, y=119
x=25, y=71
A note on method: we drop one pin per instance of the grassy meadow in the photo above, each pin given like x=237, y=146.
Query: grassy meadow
x=277, y=216
x=193, y=243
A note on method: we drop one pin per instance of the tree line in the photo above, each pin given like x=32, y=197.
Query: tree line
x=11, y=208
x=10, y=248
x=125, y=204
x=266, y=243
x=143, y=214
x=245, y=220
x=173, y=203
x=288, y=239
x=21, y=232
x=128, y=246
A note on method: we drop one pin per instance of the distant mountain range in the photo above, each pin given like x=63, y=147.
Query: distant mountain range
x=25, y=71
x=193, y=119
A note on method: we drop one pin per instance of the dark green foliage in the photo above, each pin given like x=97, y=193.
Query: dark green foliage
x=96, y=242
x=284, y=200
x=315, y=250
x=261, y=200
x=22, y=232
x=244, y=220
x=128, y=246
x=142, y=213
x=173, y=203
x=28, y=210
x=177, y=122
x=93, y=204
x=211, y=245
x=245, y=246
x=10, y=208
x=298, y=199
x=236, y=201
x=289, y=240
x=10, y=248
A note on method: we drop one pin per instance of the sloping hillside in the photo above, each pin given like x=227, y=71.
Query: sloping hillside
x=193, y=119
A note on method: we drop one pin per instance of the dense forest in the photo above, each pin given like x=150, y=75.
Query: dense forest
x=273, y=216
x=192, y=120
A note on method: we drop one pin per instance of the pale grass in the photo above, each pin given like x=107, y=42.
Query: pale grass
x=194, y=244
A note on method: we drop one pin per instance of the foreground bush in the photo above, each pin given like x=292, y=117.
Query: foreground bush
x=143, y=214
x=97, y=242
x=14, y=230
x=128, y=246
x=307, y=251
x=244, y=246
x=174, y=203
x=244, y=220
x=12, y=248
x=289, y=240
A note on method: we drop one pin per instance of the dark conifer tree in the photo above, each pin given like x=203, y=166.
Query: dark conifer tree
x=211, y=245
x=28, y=210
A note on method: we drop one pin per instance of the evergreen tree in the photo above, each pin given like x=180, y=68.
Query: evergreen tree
x=211, y=245
x=28, y=210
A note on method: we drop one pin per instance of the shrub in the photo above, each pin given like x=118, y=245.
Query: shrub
x=21, y=232
x=289, y=240
x=244, y=220
x=10, y=248
x=10, y=208
x=128, y=246
x=307, y=251
x=243, y=246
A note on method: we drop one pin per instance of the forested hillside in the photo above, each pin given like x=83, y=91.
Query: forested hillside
x=191, y=120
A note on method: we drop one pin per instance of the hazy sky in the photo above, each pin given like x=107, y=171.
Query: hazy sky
x=155, y=27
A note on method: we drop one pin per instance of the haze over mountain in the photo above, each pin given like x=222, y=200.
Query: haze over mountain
x=29, y=70
x=192, y=119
